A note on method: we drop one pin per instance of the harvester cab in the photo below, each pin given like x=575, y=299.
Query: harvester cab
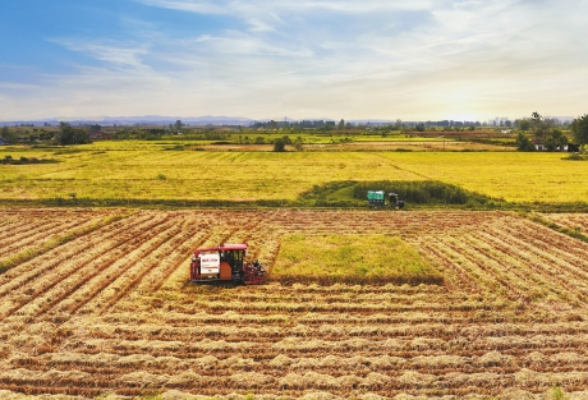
x=226, y=263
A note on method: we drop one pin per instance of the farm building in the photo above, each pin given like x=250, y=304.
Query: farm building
x=540, y=146
x=98, y=135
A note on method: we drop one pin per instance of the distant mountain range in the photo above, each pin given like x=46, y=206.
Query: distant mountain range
x=562, y=119
x=145, y=119
x=203, y=120
x=166, y=120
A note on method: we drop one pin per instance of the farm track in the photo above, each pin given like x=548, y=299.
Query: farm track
x=112, y=310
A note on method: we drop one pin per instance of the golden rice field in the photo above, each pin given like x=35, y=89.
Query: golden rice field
x=132, y=171
x=349, y=258
x=110, y=311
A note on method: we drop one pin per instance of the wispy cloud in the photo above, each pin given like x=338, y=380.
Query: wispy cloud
x=113, y=53
x=268, y=15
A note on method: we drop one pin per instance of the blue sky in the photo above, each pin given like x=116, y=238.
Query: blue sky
x=383, y=59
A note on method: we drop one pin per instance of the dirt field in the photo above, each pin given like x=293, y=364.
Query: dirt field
x=110, y=310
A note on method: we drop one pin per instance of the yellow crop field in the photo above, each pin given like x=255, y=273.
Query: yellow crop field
x=375, y=259
x=516, y=177
x=158, y=174
x=128, y=171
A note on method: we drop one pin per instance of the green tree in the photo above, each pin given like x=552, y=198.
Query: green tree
x=8, y=135
x=341, y=124
x=70, y=135
x=580, y=130
x=259, y=140
x=524, y=125
x=44, y=135
x=556, y=140
x=541, y=128
x=298, y=144
x=279, y=145
x=524, y=143
x=178, y=125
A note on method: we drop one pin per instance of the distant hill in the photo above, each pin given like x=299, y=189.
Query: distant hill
x=166, y=120
x=145, y=119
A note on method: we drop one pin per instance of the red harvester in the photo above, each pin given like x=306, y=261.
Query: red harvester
x=226, y=263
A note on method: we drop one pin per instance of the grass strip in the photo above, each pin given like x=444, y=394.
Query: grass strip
x=57, y=241
x=161, y=204
x=340, y=199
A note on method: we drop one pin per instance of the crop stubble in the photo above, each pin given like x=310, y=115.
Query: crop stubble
x=112, y=310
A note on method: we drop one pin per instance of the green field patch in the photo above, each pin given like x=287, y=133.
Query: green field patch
x=414, y=193
x=351, y=259
x=576, y=157
x=421, y=192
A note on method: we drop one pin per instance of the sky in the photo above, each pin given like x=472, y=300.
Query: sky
x=351, y=59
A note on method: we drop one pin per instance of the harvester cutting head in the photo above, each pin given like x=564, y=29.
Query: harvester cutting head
x=226, y=263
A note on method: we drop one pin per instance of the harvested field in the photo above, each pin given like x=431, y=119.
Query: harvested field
x=111, y=310
x=576, y=222
x=24, y=233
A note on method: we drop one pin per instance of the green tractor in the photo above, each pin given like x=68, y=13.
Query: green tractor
x=377, y=199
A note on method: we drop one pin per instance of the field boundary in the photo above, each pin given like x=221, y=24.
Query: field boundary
x=289, y=280
x=168, y=204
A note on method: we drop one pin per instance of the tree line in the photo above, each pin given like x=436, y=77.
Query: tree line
x=66, y=135
x=546, y=135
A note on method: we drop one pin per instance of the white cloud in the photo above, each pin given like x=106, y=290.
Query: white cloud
x=266, y=15
x=369, y=59
x=202, y=7
x=117, y=54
